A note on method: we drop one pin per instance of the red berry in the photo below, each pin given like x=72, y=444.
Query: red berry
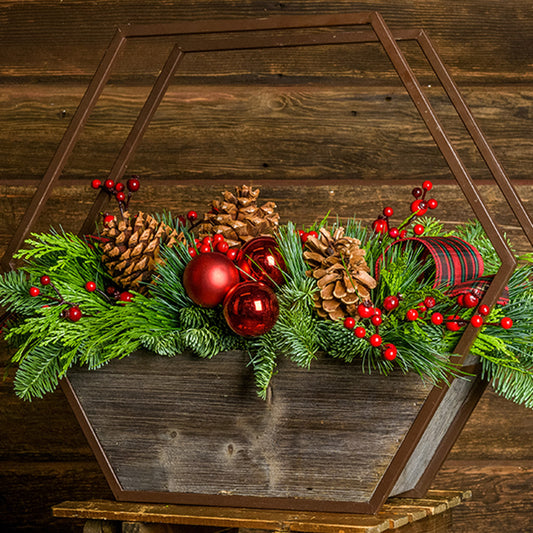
x=125, y=296
x=96, y=184
x=303, y=236
x=377, y=311
x=403, y=234
x=380, y=226
x=45, y=280
x=360, y=332
x=133, y=184
x=437, y=319
x=35, y=291
x=90, y=286
x=421, y=308
x=470, y=301
x=419, y=207
x=375, y=340
x=376, y=320
x=364, y=311
x=452, y=323
x=223, y=247
x=109, y=184
x=349, y=322
x=476, y=321
x=120, y=196
x=417, y=192
x=192, y=216
x=412, y=315
x=74, y=314
x=484, y=310
x=111, y=291
x=313, y=233
x=232, y=254
x=394, y=232
x=506, y=323
x=218, y=238
x=207, y=240
x=427, y=185
x=119, y=187
x=461, y=300
x=390, y=303
x=430, y=302
x=388, y=211
x=432, y=203
x=390, y=352
x=192, y=251
x=204, y=248
x=419, y=229
x=108, y=219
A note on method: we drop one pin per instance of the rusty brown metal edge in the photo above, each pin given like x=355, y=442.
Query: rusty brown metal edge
x=91, y=437
x=387, y=40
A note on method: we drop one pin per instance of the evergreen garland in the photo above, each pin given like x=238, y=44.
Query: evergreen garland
x=168, y=322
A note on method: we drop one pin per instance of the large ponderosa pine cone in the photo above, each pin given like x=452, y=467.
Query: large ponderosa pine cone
x=338, y=264
x=238, y=217
x=131, y=250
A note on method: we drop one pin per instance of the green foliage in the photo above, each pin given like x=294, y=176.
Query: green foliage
x=168, y=322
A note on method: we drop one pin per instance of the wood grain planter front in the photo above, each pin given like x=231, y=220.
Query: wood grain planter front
x=186, y=430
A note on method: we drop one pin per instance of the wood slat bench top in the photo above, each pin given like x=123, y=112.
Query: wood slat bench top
x=395, y=513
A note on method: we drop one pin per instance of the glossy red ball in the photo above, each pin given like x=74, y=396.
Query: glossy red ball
x=390, y=302
x=35, y=291
x=452, y=323
x=133, y=184
x=208, y=277
x=394, y=233
x=437, y=319
x=90, y=286
x=506, y=323
x=45, y=280
x=376, y=320
x=417, y=192
x=251, y=309
x=125, y=296
x=360, y=332
x=419, y=229
x=412, y=315
x=432, y=203
x=119, y=187
x=390, y=352
x=120, y=196
x=476, y=321
x=427, y=185
x=484, y=310
x=74, y=314
x=470, y=300
x=109, y=184
x=96, y=184
x=388, y=211
x=375, y=340
x=261, y=260
x=364, y=311
x=430, y=302
x=349, y=322
x=419, y=207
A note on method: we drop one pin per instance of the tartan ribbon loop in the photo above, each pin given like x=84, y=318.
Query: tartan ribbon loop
x=457, y=264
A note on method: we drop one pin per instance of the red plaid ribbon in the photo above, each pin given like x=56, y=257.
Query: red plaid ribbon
x=457, y=265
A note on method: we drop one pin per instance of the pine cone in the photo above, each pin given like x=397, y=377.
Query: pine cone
x=338, y=264
x=238, y=218
x=131, y=252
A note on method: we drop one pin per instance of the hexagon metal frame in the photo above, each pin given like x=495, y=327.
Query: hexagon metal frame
x=243, y=34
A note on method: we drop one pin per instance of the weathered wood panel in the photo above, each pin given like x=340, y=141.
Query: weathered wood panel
x=479, y=41
x=325, y=434
x=257, y=132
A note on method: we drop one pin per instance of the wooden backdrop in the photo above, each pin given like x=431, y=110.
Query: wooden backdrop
x=273, y=119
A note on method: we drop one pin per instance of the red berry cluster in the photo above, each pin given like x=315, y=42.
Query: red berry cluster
x=216, y=243
x=419, y=207
x=365, y=310
x=118, y=190
x=304, y=235
x=111, y=293
x=73, y=312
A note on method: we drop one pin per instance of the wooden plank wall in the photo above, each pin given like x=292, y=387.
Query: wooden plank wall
x=274, y=119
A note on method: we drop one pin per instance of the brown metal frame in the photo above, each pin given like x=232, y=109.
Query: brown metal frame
x=263, y=33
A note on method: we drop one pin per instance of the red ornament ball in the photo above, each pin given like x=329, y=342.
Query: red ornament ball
x=96, y=184
x=232, y=254
x=208, y=277
x=109, y=184
x=390, y=352
x=432, y=203
x=125, y=296
x=419, y=207
x=376, y=320
x=470, y=300
x=394, y=233
x=120, y=196
x=119, y=187
x=261, y=260
x=427, y=185
x=375, y=340
x=192, y=216
x=222, y=247
x=74, y=314
x=388, y=211
x=251, y=308
x=430, y=302
x=380, y=226
x=45, y=280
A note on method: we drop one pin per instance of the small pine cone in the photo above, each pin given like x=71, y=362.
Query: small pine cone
x=131, y=250
x=238, y=217
x=338, y=264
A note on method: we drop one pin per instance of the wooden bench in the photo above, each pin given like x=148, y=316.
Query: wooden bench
x=106, y=516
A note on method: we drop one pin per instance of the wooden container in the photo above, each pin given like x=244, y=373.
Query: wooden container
x=184, y=430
